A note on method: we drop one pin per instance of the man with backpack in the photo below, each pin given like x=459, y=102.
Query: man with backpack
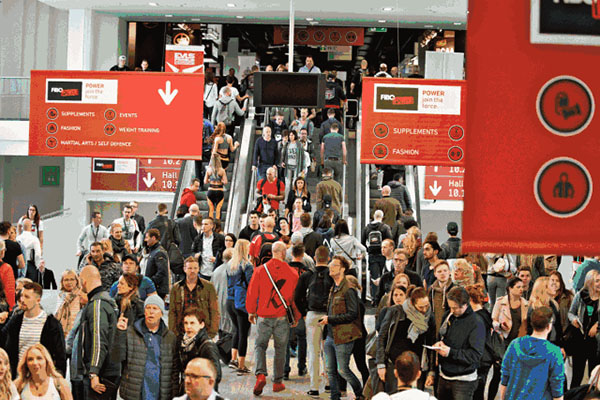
x=373, y=236
x=260, y=245
x=169, y=238
x=310, y=296
x=271, y=190
x=224, y=109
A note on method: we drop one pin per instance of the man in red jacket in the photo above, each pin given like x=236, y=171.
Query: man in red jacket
x=263, y=301
x=189, y=194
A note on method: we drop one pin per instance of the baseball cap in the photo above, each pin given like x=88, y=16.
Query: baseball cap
x=122, y=57
x=452, y=228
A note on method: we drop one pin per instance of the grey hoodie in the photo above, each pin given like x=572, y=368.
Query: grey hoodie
x=347, y=246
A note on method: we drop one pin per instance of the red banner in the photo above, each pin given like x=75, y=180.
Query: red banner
x=186, y=59
x=144, y=175
x=116, y=114
x=320, y=36
x=413, y=122
x=532, y=164
x=444, y=183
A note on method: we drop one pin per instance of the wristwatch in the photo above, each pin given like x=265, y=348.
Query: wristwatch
x=92, y=376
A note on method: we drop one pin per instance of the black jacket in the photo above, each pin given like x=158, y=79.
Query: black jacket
x=46, y=279
x=265, y=153
x=400, y=193
x=157, y=269
x=318, y=215
x=203, y=347
x=187, y=234
x=52, y=338
x=169, y=231
x=386, y=233
x=97, y=336
x=301, y=291
x=218, y=246
x=466, y=338
x=450, y=248
x=311, y=242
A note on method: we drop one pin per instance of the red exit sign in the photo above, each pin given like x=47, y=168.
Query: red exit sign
x=444, y=183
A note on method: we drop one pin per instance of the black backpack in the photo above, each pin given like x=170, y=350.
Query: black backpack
x=318, y=291
x=266, y=251
x=374, y=239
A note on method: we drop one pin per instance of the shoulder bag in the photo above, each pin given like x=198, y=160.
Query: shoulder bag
x=288, y=310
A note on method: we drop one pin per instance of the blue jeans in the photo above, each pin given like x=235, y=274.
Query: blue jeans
x=262, y=171
x=455, y=390
x=337, y=358
x=300, y=330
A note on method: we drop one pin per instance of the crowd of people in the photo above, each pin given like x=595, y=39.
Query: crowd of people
x=158, y=310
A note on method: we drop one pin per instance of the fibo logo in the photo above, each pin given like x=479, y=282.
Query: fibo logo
x=396, y=98
x=64, y=90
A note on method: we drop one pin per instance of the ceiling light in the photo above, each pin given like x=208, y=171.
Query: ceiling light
x=230, y=5
x=309, y=19
x=152, y=4
x=428, y=26
x=382, y=21
x=458, y=23
x=239, y=16
x=314, y=22
x=195, y=19
x=168, y=15
x=387, y=8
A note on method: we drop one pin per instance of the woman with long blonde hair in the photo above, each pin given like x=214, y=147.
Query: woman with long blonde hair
x=70, y=300
x=38, y=378
x=542, y=297
x=238, y=278
x=216, y=178
x=8, y=391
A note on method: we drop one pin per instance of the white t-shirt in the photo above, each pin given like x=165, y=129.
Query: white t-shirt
x=34, y=227
x=411, y=394
x=210, y=94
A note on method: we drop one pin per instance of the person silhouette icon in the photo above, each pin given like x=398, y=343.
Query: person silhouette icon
x=564, y=189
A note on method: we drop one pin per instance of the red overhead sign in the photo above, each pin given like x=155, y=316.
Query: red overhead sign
x=444, y=183
x=533, y=163
x=115, y=114
x=413, y=122
x=186, y=59
x=144, y=175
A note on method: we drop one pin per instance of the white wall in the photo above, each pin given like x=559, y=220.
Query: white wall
x=109, y=40
x=32, y=36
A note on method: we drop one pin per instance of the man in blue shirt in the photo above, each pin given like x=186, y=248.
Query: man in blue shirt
x=309, y=66
x=533, y=367
x=131, y=266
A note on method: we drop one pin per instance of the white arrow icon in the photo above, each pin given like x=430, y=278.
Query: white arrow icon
x=149, y=180
x=167, y=95
x=435, y=169
x=435, y=189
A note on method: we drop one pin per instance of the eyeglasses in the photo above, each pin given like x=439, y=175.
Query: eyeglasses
x=196, y=377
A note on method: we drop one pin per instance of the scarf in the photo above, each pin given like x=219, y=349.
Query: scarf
x=64, y=312
x=419, y=322
x=187, y=342
x=118, y=245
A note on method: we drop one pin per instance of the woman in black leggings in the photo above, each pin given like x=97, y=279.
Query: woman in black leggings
x=216, y=178
x=238, y=278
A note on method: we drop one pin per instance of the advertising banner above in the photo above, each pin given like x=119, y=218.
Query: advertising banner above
x=413, y=122
x=144, y=175
x=115, y=114
x=532, y=166
x=321, y=36
x=186, y=59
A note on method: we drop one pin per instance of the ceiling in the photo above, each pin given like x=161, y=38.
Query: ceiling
x=443, y=14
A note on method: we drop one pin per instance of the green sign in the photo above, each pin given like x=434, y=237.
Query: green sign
x=50, y=175
x=378, y=29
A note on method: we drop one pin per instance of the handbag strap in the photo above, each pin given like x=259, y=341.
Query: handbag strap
x=345, y=252
x=276, y=288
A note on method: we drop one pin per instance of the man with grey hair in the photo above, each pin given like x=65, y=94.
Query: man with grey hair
x=199, y=379
x=266, y=153
x=263, y=301
x=392, y=210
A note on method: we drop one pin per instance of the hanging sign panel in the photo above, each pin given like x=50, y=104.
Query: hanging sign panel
x=186, y=59
x=115, y=114
x=413, y=122
x=444, y=183
x=534, y=161
x=320, y=36
x=565, y=22
x=143, y=175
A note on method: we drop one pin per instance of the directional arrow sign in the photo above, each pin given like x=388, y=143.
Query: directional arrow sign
x=167, y=95
x=149, y=180
x=435, y=189
x=102, y=114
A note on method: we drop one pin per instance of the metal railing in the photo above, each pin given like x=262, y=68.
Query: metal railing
x=14, y=98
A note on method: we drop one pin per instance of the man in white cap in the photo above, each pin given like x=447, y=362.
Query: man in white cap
x=121, y=65
x=148, y=349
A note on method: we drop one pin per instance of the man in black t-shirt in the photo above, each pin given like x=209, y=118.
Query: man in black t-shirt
x=334, y=96
x=254, y=226
x=121, y=66
x=14, y=254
